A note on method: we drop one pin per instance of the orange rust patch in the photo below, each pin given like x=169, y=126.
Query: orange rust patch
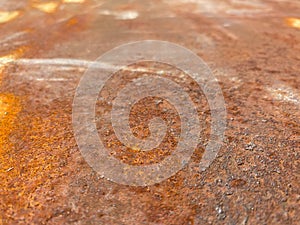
x=30, y=165
x=9, y=108
x=73, y=21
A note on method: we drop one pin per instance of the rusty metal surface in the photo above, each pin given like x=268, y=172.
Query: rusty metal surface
x=252, y=48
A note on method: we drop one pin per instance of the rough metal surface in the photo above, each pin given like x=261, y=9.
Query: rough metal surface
x=252, y=48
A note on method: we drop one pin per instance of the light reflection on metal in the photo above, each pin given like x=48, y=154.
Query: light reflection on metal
x=293, y=22
x=73, y=1
x=6, y=16
x=48, y=7
x=11, y=57
x=6, y=59
x=284, y=93
x=124, y=15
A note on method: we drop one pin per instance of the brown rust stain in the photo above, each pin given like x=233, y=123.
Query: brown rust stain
x=238, y=182
x=142, y=112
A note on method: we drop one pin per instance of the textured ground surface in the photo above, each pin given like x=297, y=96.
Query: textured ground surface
x=252, y=48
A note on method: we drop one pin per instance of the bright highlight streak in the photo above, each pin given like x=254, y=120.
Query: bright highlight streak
x=8, y=16
x=49, y=7
x=293, y=22
x=73, y=1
